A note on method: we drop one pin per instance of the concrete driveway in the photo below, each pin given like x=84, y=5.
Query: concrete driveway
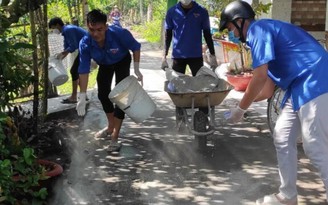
x=159, y=165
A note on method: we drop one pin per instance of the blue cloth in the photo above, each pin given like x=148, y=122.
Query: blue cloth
x=72, y=36
x=187, y=29
x=297, y=62
x=116, y=21
x=118, y=42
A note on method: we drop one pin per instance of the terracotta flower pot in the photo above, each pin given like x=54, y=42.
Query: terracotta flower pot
x=239, y=82
x=53, y=169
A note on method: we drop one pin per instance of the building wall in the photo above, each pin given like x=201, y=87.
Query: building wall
x=281, y=9
x=309, y=14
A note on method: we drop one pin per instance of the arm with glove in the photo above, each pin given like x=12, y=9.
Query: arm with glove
x=136, y=62
x=209, y=41
x=255, y=87
x=62, y=55
x=84, y=70
x=81, y=104
x=167, y=42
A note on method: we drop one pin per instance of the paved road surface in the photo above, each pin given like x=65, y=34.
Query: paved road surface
x=158, y=165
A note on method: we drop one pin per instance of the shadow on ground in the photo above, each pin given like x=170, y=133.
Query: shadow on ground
x=158, y=165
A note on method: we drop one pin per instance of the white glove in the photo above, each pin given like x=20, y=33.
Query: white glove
x=137, y=71
x=234, y=115
x=213, y=61
x=59, y=56
x=164, y=64
x=80, y=107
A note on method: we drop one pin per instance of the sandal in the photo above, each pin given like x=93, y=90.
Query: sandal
x=273, y=200
x=103, y=133
x=114, y=146
x=68, y=101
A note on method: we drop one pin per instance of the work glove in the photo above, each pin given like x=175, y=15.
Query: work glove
x=80, y=107
x=137, y=72
x=213, y=62
x=164, y=64
x=59, y=56
x=234, y=115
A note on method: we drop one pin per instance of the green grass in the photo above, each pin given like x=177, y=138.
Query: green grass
x=66, y=88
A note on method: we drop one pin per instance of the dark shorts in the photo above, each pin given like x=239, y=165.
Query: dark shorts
x=105, y=75
x=74, y=69
x=180, y=64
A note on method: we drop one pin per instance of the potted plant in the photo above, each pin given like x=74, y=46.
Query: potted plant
x=20, y=170
x=239, y=71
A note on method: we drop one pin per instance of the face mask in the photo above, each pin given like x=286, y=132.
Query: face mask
x=185, y=2
x=232, y=37
x=55, y=31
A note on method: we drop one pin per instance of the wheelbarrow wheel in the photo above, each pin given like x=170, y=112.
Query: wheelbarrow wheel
x=200, y=123
x=179, y=118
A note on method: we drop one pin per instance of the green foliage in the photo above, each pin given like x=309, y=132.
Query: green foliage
x=103, y=5
x=58, y=9
x=215, y=7
x=261, y=8
x=19, y=171
x=15, y=69
x=151, y=31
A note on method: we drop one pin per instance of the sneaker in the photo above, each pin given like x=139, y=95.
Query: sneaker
x=273, y=200
x=114, y=146
x=103, y=133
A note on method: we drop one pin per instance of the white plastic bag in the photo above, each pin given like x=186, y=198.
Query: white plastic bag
x=206, y=71
x=170, y=74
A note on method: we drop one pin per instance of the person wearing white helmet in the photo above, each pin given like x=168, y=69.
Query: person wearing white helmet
x=287, y=56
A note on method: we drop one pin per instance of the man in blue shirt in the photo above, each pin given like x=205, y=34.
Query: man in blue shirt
x=186, y=22
x=72, y=36
x=109, y=47
x=287, y=56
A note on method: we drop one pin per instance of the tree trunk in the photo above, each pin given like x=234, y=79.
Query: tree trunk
x=85, y=11
x=69, y=8
x=45, y=55
x=78, y=8
x=150, y=12
x=36, y=72
x=141, y=10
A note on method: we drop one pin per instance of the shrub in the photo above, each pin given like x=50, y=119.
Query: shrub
x=19, y=171
x=15, y=69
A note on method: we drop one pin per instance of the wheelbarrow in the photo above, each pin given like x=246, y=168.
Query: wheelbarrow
x=199, y=124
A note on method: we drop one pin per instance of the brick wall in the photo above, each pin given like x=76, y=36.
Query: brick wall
x=309, y=14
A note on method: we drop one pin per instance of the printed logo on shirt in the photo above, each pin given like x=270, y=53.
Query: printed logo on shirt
x=113, y=50
x=196, y=15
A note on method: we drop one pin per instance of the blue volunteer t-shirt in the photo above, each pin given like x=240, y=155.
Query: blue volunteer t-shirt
x=118, y=42
x=297, y=62
x=187, y=30
x=72, y=36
